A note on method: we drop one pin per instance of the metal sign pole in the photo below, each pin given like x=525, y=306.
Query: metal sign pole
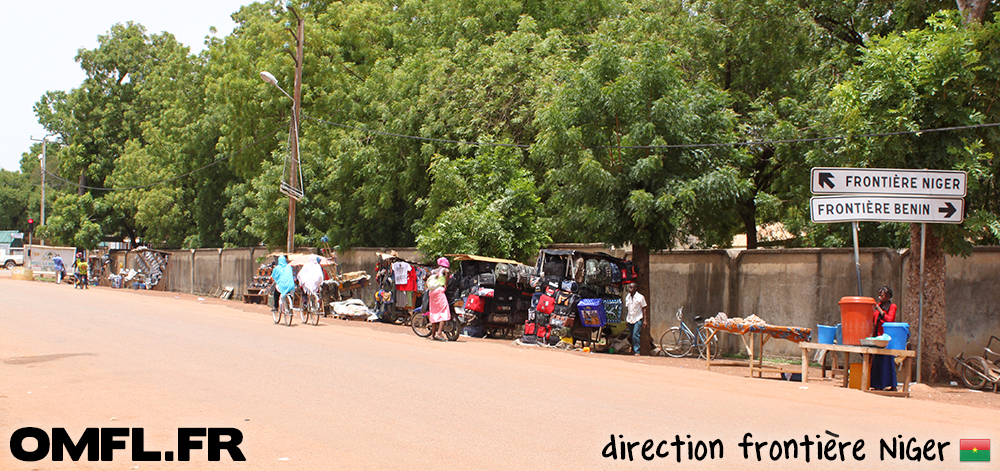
x=857, y=256
x=920, y=312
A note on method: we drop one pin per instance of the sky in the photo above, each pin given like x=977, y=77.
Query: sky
x=41, y=38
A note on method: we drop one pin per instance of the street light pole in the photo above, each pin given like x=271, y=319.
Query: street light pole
x=45, y=140
x=294, y=128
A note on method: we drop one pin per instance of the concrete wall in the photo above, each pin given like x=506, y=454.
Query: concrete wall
x=972, y=300
x=792, y=287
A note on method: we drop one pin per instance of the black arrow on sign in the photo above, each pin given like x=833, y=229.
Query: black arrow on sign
x=826, y=179
x=949, y=209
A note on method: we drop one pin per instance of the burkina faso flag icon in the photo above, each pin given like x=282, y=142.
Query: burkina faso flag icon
x=974, y=449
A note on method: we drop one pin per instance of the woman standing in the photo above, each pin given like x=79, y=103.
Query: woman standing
x=883, y=366
x=439, y=311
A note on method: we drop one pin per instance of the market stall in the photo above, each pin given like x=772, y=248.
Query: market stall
x=400, y=287
x=578, y=297
x=497, y=290
x=759, y=333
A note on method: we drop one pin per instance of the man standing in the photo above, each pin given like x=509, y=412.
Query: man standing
x=60, y=269
x=637, y=308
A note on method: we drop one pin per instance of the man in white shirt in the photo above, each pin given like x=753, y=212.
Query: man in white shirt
x=636, y=307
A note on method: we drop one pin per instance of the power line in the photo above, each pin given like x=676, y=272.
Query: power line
x=667, y=146
x=432, y=139
x=178, y=177
x=524, y=146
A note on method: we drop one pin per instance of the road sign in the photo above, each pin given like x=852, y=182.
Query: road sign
x=887, y=181
x=847, y=208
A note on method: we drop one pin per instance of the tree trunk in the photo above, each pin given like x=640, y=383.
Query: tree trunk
x=934, y=357
x=640, y=257
x=83, y=181
x=748, y=213
x=973, y=10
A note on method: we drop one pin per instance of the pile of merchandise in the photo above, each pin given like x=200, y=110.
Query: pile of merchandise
x=576, y=293
x=498, y=291
x=401, y=287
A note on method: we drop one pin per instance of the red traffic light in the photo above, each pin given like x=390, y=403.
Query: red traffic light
x=31, y=221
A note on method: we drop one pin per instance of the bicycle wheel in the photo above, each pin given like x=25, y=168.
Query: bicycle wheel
x=317, y=310
x=972, y=380
x=452, y=330
x=676, y=342
x=276, y=314
x=304, y=312
x=704, y=333
x=420, y=325
x=288, y=310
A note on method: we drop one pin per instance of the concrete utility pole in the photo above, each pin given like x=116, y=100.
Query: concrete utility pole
x=44, y=141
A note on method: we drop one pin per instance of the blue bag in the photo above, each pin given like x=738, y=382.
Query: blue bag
x=592, y=312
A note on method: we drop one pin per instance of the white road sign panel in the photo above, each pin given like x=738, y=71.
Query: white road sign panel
x=886, y=208
x=887, y=181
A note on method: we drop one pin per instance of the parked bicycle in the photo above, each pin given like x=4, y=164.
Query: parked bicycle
x=978, y=372
x=680, y=341
x=284, y=309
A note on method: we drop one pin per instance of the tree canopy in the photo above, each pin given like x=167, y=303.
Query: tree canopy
x=496, y=126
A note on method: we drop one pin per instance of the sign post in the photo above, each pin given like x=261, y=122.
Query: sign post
x=889, y=195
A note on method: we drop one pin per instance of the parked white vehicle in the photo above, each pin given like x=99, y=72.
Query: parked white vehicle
x=11, y=257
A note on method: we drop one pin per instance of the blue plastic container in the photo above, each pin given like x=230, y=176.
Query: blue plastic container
x=900, y=333
x=826, y=333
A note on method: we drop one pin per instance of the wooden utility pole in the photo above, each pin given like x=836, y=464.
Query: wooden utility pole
x=294, y=131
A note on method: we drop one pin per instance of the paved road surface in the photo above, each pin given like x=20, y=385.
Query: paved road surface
x=342, y=396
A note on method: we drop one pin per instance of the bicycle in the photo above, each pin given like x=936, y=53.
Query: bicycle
x=311, y=308
x=284, y=310
x=679, y=341
x=978, y=372
x=451, y=329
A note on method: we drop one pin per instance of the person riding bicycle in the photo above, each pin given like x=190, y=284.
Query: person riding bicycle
x=284, y=279
x=81, y=271
x=311, y=277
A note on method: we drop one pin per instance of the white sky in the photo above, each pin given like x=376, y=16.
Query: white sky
x=40, y=39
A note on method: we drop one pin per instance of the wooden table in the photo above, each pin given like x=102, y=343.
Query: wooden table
x=866, y=354
x=755, y=347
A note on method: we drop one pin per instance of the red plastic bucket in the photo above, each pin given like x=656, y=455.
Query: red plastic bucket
x=856, y=317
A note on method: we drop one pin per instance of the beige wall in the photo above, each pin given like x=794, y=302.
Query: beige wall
x=793, y=287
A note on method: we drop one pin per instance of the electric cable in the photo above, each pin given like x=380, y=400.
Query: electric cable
x=178, y=177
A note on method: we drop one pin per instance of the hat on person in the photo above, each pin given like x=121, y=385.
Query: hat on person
x=443, y=262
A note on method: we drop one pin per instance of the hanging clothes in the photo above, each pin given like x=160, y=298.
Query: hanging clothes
x=421, y=275
x=400, y=272
x=411, y=281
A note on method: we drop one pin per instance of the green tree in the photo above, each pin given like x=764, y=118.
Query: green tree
x=73, y=222
x=17, y=193
x=487, y=205
x=603, y=137
x=97, y=120
x=935, y=77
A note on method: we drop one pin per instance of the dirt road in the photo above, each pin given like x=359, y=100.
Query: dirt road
x=349, y=395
